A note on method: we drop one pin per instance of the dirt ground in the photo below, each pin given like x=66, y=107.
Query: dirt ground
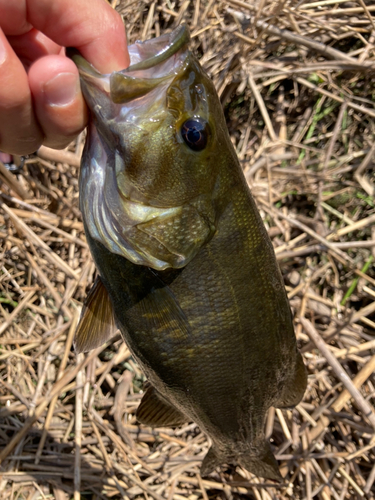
x=297, y=83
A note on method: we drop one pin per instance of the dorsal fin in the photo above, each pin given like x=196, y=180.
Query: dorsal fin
x=97, y=322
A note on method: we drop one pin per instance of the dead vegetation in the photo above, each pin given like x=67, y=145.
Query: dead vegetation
x=297, y=82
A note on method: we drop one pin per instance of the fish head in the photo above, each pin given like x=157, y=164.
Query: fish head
x=151, y=163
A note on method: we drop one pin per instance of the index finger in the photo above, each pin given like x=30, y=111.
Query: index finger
x=91, y=26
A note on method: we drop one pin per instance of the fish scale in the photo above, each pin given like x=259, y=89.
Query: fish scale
x=184, y=261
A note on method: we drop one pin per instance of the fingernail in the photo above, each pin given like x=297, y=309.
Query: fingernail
x=62, y=89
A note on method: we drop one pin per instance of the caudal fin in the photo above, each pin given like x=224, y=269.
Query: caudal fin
x=263, y=465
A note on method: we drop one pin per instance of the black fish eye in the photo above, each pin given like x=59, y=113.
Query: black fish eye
x=195, y=133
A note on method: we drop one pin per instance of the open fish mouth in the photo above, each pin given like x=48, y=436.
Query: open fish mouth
x=151, y=63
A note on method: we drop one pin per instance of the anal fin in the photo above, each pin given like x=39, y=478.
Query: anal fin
x=97, y=323
x=156, y=411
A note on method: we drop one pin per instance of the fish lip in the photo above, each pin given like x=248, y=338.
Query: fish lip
x=175, y=41
x=84, y=67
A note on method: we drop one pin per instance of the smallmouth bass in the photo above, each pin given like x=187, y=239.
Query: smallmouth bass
x=186, y=268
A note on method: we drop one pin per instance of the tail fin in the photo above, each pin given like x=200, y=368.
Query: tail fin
x=263, y=465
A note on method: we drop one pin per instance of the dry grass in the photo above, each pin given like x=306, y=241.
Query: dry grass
x=297, y=83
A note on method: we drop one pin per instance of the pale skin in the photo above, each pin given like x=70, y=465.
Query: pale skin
x=40, y=97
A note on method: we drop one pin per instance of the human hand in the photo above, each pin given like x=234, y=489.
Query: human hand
x=40, y=97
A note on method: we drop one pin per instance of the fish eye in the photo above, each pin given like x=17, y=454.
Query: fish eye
x=195, y=133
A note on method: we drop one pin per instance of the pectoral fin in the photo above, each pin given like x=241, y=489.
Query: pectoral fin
x=156, y=411
x=161, y=312
x=97, y=323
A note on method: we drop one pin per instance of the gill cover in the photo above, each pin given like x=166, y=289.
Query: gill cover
x=145, y=182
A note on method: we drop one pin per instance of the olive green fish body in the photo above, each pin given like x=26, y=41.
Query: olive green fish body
x=189, y=268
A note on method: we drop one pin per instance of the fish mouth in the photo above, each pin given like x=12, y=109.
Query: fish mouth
x=152, y=63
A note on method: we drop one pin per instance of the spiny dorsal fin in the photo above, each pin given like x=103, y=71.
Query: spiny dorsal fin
x=156, y=411
x=97, y=322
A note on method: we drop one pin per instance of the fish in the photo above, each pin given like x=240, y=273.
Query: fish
x=186, y=269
